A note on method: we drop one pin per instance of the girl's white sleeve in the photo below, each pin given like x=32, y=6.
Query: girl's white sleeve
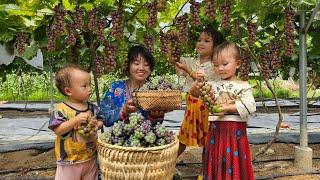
x=245, y=103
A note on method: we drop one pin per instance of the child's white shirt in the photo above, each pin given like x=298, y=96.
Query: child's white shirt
x=241, y=91
x=194, y=64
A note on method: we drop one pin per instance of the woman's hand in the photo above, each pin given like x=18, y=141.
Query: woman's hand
x=128, y=107
x=157, y=114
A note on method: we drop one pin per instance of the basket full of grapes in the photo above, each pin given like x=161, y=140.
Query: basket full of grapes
x=137, y=149
x=159, y=95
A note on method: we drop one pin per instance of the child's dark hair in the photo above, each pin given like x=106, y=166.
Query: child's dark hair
x=227, y=46
x=217, y=37
x=63, y=76
x=133, y=54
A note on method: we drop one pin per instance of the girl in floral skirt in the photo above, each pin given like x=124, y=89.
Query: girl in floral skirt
x=195, y=123
x=227, y=153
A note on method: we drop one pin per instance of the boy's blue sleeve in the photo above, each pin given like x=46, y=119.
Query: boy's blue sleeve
x=111, y=104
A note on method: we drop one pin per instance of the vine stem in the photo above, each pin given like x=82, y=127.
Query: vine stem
x=275, y=136
x=175, y=17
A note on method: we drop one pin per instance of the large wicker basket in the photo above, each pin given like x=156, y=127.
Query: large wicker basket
x=135, y=163
x=158, y=99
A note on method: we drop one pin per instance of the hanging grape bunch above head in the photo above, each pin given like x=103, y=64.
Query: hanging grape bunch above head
x=117, y=23
x=182, y=26
x=152, y=14
x=194, y=11
x=57, y=28
x=164, y=43
x=225, y=11
x=175, y=49
x=289, y=31
x=161, y=5
x=251, y=32
x=149, y=42
x=210, y=9
x=79, y=18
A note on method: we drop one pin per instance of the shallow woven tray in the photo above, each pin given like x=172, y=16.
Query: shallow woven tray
x=158, y=99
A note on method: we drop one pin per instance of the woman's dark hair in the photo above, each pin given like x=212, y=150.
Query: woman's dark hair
x=217, y=37
x=133, y=54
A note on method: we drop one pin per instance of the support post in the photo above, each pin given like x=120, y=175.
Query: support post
x=303, y=154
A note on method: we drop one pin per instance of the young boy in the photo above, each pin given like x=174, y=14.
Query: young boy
x=75, y=152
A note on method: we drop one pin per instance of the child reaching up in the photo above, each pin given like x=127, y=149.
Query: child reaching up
x=227, y=153
x=75, y=122
x=194, y=126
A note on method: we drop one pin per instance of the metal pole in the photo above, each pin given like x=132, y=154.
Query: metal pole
x=315, y=10
x=51, y=85
x=303, y=82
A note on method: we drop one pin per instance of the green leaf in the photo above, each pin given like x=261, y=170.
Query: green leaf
x=87, y=6
x=130, y=28
x=44, y=11
x=30, y=51
x=28, y=22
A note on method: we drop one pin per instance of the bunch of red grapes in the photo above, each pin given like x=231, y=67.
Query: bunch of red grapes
x=289, y=31
x=175, y=49
x=251, y=32
x=164, y=43
x=161, y=5
x=117, y=23
x=22, y=40
x=245, y=66
x=210, y=9
x=226, y=12
x=194, y=11
x=182, y=26
x=265, y=59
x=71, y=39
x=152, y=14
x=79, y=18
x=148, y=41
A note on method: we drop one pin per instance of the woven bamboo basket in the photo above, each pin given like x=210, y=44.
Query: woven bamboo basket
x=136, y=163
x=158, y=99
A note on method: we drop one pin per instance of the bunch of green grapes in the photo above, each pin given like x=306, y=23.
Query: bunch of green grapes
x=87, y=129
x=208, y=97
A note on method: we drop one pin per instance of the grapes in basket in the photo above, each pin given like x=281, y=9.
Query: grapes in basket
x=159, y=84
x=137, y=132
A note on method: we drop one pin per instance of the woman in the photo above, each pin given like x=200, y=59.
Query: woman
x=117, y=103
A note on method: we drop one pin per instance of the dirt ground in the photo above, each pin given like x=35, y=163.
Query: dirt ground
x=276, y=164
x=35, y=164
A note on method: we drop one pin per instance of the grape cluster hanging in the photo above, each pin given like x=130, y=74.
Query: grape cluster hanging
x=164, y=43
x=251, y=32
x=182, y=26
x=22, y=40
x=117, y=23
x=194, y=11
x=210, y=9
x=289, y=31
x=152, y=14
x=245, y=66
x=225, y=11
